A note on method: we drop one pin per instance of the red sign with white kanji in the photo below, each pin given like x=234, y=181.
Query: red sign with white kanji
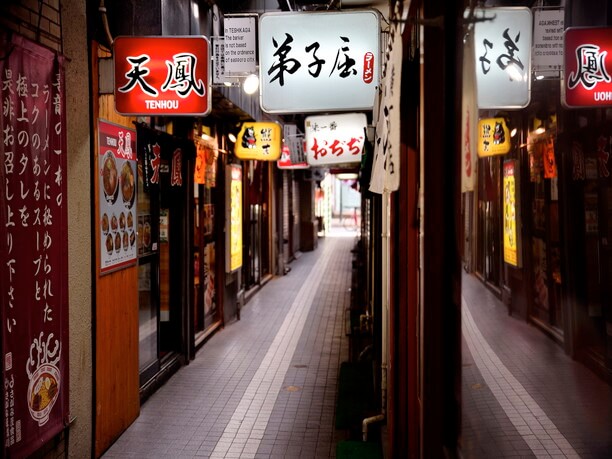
x=588, y=67
x=162, y=75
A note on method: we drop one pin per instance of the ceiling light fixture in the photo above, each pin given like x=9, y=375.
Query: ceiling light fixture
x=231, y=137
x=251, y=84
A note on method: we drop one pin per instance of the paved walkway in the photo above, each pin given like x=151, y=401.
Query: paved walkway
x=265, y=386
x=521, y=395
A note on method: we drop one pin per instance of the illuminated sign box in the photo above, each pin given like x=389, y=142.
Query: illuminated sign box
x=157, y=76
x=233, y=217
x=335, y=139
x=502, y=47
x=313, y=61
x=511, y=214
x=588, y=67
x=493, y=137
x=259, y=140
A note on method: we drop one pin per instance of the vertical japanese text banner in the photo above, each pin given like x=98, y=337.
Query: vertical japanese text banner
x=33, y=247
x=386, y=164
x=469, y=118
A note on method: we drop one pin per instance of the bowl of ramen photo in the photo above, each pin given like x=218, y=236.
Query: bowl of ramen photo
x=117, y=242
x=128, y=184
x=105, y=223
x=122, y=220
x=132, y=238
x=109, y=243
x=114, y=223
x=130, y=220
x=125, y=240
x=43, y=392
x=110, y=177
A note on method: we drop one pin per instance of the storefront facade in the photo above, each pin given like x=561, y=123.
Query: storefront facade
x=560, y=280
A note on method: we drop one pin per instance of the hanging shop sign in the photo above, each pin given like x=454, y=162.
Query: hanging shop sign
x=233, y=217
x=587, y=67
x=334, y=69
x=512, y=253
x=259, y=140
x=162, y=76
x=493, y=137
x=117, y=165
x=285, y=161
x=335, y=139
x=502, y=46
x=386, y=162
x=240, y=44
x=33, y=247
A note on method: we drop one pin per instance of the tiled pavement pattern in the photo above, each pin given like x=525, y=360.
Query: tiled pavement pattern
x=521, y=395
x=264, y=386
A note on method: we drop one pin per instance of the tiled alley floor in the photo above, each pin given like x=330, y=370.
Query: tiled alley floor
x=264, y=386
x=522, y=396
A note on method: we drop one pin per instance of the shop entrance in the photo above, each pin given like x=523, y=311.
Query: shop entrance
x=544, y=243
x=160, y=256
x=256, y=264
x=489, y=253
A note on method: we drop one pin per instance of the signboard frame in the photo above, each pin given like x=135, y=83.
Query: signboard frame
x=145, y=70
x=569, y=96
x=497, y=88
x=292, y=87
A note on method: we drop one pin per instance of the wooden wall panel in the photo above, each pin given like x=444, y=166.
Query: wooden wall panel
x=117, y=400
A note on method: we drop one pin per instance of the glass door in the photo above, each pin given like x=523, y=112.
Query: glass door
x=148, y=282
x=161, y=258
x=206, y=310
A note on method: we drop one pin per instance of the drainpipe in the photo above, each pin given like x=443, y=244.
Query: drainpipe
x=386, y=223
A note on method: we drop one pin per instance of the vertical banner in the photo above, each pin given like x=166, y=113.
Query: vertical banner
x=33, y=246
x=233, y=242
x=386, y=167
x=469, y=118
x=117, y=196
x=512, y=253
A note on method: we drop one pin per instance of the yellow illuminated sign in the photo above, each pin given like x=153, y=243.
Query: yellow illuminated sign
x=234, y=220
x=493, y=137
x=511, y=242
x=259, y=140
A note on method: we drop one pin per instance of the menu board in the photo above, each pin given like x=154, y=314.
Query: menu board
x=117, y=196
x=33, y=247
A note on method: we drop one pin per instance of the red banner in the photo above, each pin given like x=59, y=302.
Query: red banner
x=33, y=246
